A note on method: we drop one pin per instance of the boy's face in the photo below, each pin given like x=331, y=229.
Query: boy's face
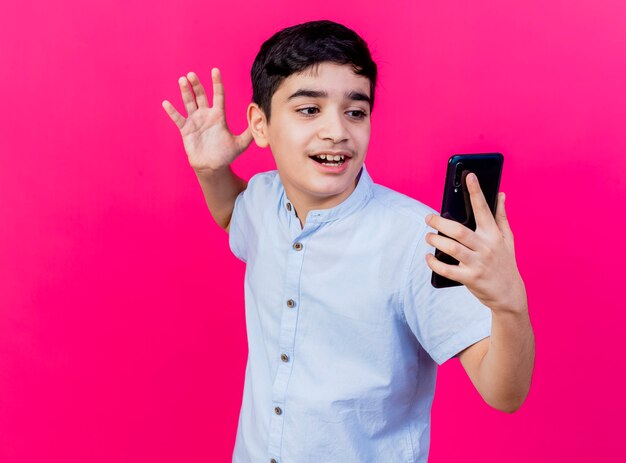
x=317, y=113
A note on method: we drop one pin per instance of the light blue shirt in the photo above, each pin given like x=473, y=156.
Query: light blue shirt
x=345, y=330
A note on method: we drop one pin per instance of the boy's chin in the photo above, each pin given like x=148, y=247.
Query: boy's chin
x=332, y=187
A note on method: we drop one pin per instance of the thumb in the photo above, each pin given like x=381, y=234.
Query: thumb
x=243, y=140
x=501, y=220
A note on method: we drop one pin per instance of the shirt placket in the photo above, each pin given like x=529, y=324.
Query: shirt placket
x=288, y=327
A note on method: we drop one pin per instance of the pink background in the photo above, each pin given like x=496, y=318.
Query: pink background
x=122, y=332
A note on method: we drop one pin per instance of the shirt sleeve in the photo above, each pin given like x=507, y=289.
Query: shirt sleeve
x=444, y=320
x=236, y=231
x=249, y=211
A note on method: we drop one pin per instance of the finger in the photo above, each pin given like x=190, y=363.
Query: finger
x=174, y=115
x=501, y=219
x=454, y=230
x=198, y=90
x=188, y=99
x=218, y=89
x=482, y=213
x=450, y=247
x=453, y=272
x=244, y=139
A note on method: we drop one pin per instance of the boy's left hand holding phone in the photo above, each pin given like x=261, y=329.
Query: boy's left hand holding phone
x=487, y=265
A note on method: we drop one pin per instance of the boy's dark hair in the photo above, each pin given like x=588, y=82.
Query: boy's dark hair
x=295, y=48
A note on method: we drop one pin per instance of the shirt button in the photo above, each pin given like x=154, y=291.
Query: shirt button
x=277, y=410
x=297, y=246
x=291, y=303
x=284, y=357
x=288, y=206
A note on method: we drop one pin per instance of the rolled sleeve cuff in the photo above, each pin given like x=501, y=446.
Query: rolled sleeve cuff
x=461, y=340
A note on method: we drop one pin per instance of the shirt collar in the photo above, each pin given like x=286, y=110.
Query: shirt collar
x=357, y=199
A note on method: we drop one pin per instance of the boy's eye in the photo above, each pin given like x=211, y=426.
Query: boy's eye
x=358, y=113
x=308, y=108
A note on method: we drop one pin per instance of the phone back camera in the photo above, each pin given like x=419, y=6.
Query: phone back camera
x=458, y=173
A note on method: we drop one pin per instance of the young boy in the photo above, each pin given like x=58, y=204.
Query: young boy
x=345, y=331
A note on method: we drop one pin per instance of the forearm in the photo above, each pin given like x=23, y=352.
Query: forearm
x=220, y=189
x=505, y=372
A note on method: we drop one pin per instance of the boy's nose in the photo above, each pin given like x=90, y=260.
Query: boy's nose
x=333, y=128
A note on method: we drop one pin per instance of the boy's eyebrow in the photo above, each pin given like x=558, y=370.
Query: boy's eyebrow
x=354, y=95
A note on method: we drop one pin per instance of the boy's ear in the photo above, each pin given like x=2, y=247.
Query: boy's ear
x=258, y=125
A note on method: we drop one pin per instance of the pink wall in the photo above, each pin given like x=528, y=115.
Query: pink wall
x=122, y=333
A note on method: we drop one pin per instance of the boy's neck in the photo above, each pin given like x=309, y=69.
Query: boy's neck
x=302, y=204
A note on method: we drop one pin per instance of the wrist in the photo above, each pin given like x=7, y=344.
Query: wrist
x=516, y=309
x=207, y=172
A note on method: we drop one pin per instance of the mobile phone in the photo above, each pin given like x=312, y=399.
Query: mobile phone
x=456, y=203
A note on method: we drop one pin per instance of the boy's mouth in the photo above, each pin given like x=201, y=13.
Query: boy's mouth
x=330, y=159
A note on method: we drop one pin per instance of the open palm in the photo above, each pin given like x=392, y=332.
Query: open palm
x=207, y=140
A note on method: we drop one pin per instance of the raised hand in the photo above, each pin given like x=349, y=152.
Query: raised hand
x=487, y=265
x=208, y=142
